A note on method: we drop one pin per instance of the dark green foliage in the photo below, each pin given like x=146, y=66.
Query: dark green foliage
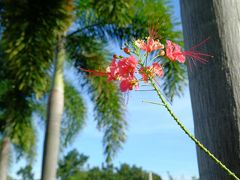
x=24, y=138
x=16, y=116
x=140, y=16
x=113, y=11
x=16, y=119
x=125, y=172
x=26, y=173
x=72, y=167
x=30, y=31
x=71, y=164
x=134, y=173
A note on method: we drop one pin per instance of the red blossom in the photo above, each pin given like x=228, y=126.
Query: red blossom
x=157, y=69
x=150, y=71
x=128, y=84
x=150, y=46
x=113, y=70
x=173, y=52
x=127, y=66
x=124, y=72
x=143, y=71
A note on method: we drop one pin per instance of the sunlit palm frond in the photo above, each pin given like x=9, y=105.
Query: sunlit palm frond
x=107, y=100
x=74, y=114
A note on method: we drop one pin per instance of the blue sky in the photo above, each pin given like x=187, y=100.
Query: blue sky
x=154, y=142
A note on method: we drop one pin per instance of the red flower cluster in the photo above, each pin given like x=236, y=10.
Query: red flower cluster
x=124, y=72
x=124, y=69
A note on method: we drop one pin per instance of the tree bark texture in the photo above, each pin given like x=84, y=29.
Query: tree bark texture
x=55, y=112
x=215, y=86
x=4, y=158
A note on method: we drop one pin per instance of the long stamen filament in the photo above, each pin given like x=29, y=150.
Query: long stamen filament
x=97, y=73
x=199, y=44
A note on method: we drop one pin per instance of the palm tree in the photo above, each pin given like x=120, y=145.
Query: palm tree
x=4, y=153
x=30, y=36
x=19, y=114
x=54, y=116
x=214, y=87
x=18, y=130
x=15, y=124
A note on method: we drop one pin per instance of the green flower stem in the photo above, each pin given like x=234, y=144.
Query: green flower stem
x=146, y=59
x=199, y=144
x=155, y=57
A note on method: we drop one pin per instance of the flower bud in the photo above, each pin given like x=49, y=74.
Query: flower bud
x=126, y=50
x=161, y=53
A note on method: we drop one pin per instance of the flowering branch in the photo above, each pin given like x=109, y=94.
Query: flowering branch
x=123, y=69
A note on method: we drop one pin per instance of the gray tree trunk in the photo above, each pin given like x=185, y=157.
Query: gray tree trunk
x=4, y=158
x=215, y=86
x=55, y=111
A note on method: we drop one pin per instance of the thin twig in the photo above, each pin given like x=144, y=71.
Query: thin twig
x=150, y=102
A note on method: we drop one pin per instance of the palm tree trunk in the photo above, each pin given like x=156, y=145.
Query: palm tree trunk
x=215, y=86
x=55, y=111
x=4, y=158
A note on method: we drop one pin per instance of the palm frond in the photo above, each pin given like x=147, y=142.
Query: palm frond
x=16, y=119
x=174, y=79
x=114, y=11
x=74, y=114
x=30, y=30
x=24, y=139
x=108, y=102
x=90, y=21
x=109, y=112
